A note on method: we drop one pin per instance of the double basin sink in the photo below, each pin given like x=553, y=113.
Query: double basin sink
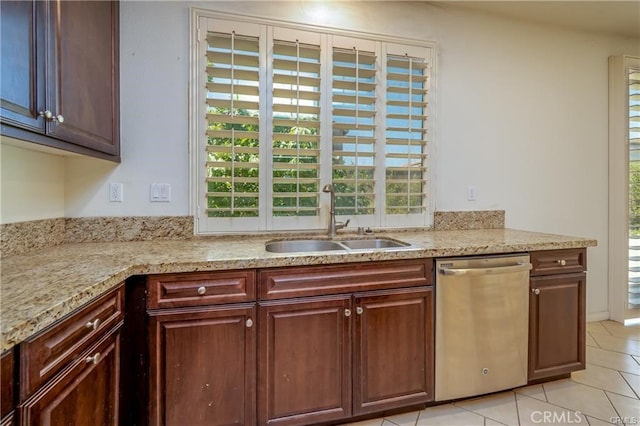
x=308, y=245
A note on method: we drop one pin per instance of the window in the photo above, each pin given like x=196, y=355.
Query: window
x=281, y=111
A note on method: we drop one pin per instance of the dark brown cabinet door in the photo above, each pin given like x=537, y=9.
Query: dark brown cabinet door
x=82, y=65
x=22, y=77
x=393, y=350
x=556, y=325
x=60, y=74
x=85, y=393
x=202, y=366
x=7, y=378
x=305, y=360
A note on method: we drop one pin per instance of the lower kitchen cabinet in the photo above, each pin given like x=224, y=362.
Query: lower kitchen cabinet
x=202, y=365
x=85, y=393
x=328, y=358
x=393, y=351
x=7, y=378
x=305, y=360
x=557, y=319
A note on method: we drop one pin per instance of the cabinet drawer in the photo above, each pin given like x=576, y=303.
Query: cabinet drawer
x=48, y=352
x=558, y=261
x=84, y=393
x=195, y=289
x=320, y=280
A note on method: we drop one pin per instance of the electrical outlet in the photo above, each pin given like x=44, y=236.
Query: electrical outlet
x=116, y=192
x=471, y=193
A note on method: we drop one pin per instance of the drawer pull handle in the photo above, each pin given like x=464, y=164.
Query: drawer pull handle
x=359, y=310
x=249, y=323
x=93, y=324
x=561, y=262
x=202, y=290
x=347, y=312
x=535, y=291
x=93, y=359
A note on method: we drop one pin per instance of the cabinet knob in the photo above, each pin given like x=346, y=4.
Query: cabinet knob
x=93, y=324
x=535, y=291
x=561, y=262
x=347, y=312
x=359, y=310
x=249, y=323
x=202, y=290
x=93, y=359
x=48, y=115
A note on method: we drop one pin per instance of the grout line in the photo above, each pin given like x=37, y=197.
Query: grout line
x=612, y=404
x=585, y=414
x=544, y=391
x=605, y=327
x=515, y=401
x=602, y=389
x=594, y=340
x=629, y=384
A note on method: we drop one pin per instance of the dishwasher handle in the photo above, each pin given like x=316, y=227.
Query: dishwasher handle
x=519, y=267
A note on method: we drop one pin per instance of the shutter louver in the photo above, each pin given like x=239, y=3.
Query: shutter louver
x=353, y=104
x=296, y=129
x=233, y=124
x=405, y=151
x=634, y=114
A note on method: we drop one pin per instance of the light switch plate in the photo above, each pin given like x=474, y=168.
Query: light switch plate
x=160, y=192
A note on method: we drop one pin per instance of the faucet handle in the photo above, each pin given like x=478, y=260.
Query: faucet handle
x=340, y=225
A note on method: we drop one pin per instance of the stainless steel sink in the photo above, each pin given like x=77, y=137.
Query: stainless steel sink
x=374, y=243
x=294, y=246
x=300, y=246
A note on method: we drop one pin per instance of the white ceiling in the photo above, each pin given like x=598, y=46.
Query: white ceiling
x=620, y=18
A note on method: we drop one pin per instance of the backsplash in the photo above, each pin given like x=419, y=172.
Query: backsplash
x=137, y=228
x=482, y=219
x=24, y=237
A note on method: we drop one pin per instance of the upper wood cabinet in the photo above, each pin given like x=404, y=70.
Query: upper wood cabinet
x=60, y=75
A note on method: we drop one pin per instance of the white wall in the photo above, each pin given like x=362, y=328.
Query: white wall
x=32, y=183
x=521, y=114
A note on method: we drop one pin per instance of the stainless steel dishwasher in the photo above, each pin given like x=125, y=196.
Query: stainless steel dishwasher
x=482, y=315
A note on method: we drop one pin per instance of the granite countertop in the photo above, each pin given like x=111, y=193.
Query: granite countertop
x=39, y=288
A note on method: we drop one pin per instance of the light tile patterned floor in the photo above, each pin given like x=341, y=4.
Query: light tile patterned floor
x=607, y=392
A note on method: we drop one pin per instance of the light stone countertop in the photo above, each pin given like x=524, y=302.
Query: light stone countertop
x=39, y=288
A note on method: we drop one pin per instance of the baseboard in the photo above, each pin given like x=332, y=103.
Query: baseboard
x=598, y=316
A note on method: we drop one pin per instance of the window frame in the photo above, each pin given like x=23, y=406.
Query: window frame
x=262, y=224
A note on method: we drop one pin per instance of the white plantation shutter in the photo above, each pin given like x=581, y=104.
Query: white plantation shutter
x=233, y=125
x=354, y=130
x=281, y=111
x=295, y=128
x=406, y=133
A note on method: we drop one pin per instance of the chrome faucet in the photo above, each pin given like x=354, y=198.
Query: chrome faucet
x=333, y=225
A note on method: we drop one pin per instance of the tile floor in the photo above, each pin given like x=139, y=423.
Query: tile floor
x=607, y=392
